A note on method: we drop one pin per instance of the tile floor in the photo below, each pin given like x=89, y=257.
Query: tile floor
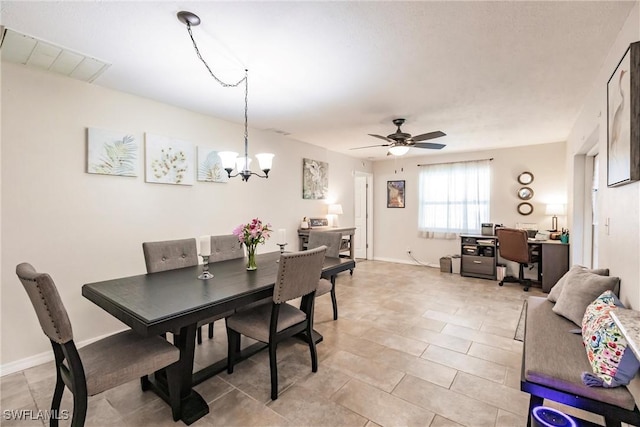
x=412, y=347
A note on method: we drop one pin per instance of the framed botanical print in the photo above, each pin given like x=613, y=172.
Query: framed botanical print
x=395, y=194
x=623, y=120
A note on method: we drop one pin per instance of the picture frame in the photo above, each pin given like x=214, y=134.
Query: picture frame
x=623, y=119
x=112, y=153
x=315, y=179
x=396, y=194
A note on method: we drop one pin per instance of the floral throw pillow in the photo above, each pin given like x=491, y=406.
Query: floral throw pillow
x=612, y=362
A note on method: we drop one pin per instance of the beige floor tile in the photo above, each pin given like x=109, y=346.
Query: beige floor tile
x=507, y=419
x=418, y=367
x=430, y=324
x=397, y=342
x=129, y=397
x=366, y=370
x=440, y=421
x=504, y=343
x=380, y=407
x=447, y=403
x=494, y=394
x=325, y=382
x=465, y=363
x=441, y=340
x=372, y=424
x=452, y=319
x=303, y=407
x=237, y=409
x=502, y=357
x=213, y=388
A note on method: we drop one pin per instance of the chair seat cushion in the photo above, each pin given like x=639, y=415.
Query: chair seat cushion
x=124, y=357
x=324, y=286
x=254, y=323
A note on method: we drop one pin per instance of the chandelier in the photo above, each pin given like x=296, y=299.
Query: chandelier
x=230, y=159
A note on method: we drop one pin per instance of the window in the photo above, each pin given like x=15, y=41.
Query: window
x=454, y=198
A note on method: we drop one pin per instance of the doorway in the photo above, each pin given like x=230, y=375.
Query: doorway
x=363, y=215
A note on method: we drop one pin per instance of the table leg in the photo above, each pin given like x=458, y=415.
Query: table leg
x=193, y=406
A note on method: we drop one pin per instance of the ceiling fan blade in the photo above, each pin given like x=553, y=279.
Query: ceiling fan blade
x=381, y=137
x=370, y=146
x=430, y=135
x=430, y=145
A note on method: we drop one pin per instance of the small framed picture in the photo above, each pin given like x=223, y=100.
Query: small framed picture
x=395, y=194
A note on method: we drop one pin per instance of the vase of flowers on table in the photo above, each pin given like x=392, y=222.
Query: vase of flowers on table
x=251, y=234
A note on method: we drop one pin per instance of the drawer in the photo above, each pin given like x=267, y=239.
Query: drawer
x=468, y=240
x=478, y=264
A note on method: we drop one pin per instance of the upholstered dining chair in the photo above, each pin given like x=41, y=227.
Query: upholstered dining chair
x=332, y=240
x=271, y=323
x=101, y=365
x=514, y=246
x=171, y=255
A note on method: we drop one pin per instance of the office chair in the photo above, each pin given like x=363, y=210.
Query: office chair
x=514, y=246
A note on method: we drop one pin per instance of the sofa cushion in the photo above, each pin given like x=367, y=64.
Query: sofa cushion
x=569, y=276
x=613, y=363
x=580, y=291
x=554, y=357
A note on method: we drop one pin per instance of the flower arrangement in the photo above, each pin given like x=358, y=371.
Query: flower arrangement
x=251, y=234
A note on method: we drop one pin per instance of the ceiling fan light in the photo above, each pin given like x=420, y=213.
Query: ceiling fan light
x=399, y=150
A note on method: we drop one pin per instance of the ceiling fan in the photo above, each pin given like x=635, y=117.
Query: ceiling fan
x=400, y=142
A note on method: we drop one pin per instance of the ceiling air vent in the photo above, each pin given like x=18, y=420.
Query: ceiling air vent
x=26, y=50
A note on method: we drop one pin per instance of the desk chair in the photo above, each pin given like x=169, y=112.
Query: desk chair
x=514, y=246
x=298, y=274
x=332, y=240
x=171, y=255
x=101, y=365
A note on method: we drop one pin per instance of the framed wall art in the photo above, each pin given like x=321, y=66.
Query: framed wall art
x=112, y=153
x=623, y=120
x=168, y=160
x=210, y=166
x=315, y=179
x=395, y=194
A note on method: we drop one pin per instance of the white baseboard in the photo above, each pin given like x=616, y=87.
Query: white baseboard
x=44, y=357
x=404, y=261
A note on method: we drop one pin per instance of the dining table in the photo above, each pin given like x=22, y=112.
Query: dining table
x=176, y=300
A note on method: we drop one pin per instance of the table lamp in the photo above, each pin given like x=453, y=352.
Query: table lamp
x=555, y=209
x=334, y=211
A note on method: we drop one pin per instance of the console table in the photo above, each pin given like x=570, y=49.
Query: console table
x=347, y=238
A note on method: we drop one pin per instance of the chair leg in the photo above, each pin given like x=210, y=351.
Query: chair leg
x=608, y=422
x=199, y=335
x=79, y=409
x=334, y=301
x=312, y=349
x=57, y=399
x=274, y=369
x=211, y=330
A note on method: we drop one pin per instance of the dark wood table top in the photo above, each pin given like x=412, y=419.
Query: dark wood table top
x=159, y=302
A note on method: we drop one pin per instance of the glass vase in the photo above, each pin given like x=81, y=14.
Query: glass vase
x=251, y=258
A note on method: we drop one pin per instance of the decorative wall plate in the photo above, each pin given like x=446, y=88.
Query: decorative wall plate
x=525, y=178
x=525, y=208
x=525, y=193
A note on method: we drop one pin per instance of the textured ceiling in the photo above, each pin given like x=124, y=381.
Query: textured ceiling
x=489, y=74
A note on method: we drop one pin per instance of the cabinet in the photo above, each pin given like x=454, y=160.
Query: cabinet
x=347, y=248
x=478, y=256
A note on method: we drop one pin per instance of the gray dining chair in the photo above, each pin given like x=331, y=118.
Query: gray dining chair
x=173, y=254
x=101, y=365
x=271, y=323
x=332, y=240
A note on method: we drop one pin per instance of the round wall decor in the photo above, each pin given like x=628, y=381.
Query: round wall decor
x=525, y=193
x=525, y=178
x=525, y=208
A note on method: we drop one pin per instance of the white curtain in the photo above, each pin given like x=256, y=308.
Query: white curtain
x=454, y=198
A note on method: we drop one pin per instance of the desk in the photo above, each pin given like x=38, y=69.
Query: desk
x=554, y=258
x=347, y=235
x=152, y=304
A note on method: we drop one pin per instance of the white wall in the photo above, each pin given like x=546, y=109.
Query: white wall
x=82, y=228
x=397, y=229
x=619, y=248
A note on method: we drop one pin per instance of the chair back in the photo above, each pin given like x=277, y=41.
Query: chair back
x=298, y=274
x=46, y=301
x=514, y=244
x=330, y=239
x=225, y=247
x=170, y=254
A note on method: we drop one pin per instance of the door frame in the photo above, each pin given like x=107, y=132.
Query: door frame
x=369, y=210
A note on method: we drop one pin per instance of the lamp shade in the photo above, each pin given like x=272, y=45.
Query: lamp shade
x=241, y=165
x=265, y=160
x=399, y=150
x=555, y=209
x=335, y=209
x=228, y=159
